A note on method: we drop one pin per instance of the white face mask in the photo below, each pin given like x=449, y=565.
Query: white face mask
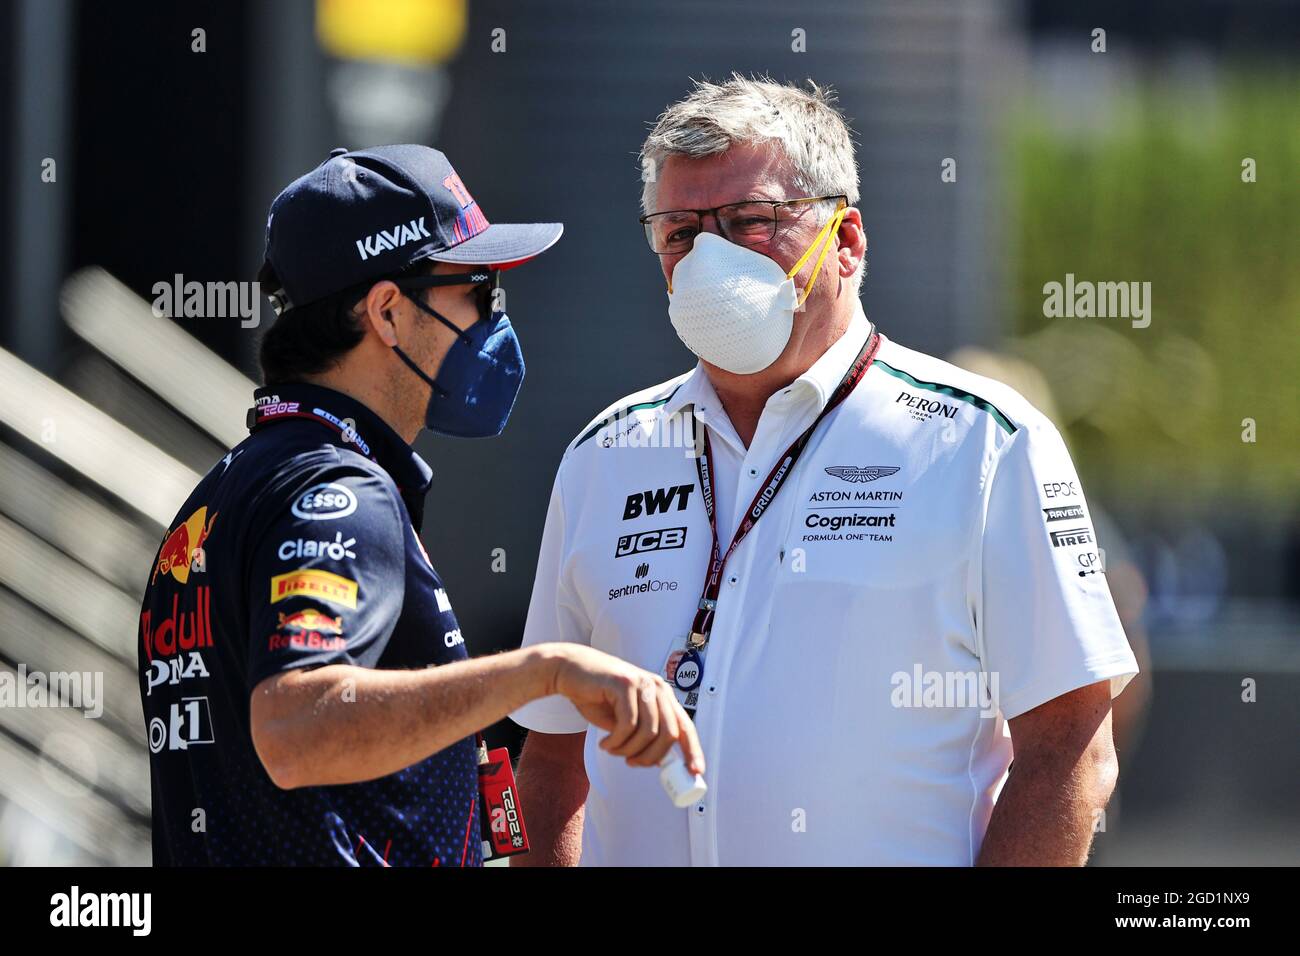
x=734, y=307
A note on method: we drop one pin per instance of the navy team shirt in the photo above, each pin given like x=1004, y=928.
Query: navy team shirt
x=298, y=549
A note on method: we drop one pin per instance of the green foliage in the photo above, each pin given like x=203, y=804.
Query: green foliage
x=1156, y=195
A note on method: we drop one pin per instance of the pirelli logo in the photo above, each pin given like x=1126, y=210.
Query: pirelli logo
x=1072, y=537
x=318, y=584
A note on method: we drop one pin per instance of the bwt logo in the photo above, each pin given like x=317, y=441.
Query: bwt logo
x=656, y=502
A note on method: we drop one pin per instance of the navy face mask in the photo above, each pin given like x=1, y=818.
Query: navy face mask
x=481, y=374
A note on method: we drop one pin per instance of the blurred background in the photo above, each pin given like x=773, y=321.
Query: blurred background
x=143, y=143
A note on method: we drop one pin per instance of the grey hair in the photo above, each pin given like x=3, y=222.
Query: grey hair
x=713, y=117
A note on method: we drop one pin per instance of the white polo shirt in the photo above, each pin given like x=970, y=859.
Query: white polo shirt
x=927, y=572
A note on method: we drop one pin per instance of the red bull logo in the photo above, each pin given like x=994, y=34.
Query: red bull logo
x=312, y=620
x=183, y=631
x=178, y=550
x=309, y=642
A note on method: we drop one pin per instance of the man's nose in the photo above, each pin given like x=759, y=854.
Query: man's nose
x=709, y=223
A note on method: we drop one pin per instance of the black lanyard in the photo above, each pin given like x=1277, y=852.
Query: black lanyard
x=269, y=413
x=703, y=622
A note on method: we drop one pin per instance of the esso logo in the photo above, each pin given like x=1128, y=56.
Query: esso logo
x=325, y=501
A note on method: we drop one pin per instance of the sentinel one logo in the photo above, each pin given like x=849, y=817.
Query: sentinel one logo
x=75, y=909
x=945, y=689
x=394, y=238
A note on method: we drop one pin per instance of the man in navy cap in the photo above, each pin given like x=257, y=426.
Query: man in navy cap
x=306, y=689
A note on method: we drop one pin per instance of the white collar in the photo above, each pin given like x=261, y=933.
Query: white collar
x=819, y=381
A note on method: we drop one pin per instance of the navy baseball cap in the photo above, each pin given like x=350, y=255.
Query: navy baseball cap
x=367, y=213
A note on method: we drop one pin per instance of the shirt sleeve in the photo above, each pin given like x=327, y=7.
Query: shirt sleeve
x=1048, y=624
x=327, y=574
x=554, y=614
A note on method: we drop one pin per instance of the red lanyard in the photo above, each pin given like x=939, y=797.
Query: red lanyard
x=703, y=623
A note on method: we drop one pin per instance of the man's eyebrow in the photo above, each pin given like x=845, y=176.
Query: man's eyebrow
x=756, y=195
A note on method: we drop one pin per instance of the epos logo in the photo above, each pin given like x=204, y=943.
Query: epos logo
x=1060, y=489
x=665, y=539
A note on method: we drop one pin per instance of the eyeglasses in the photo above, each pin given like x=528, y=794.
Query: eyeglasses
x=488, y=281
x=746, y=223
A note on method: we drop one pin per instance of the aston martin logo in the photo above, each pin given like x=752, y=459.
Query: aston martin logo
x=859, y=475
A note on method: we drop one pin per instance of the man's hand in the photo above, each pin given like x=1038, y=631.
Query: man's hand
x=637, y=707
x=343, y=724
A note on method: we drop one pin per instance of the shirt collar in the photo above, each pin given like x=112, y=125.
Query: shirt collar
x=369, y=435
x=695, y=389
x=818, y=382
x=827, y=372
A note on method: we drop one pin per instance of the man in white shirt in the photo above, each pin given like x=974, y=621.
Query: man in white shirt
x=869, y=574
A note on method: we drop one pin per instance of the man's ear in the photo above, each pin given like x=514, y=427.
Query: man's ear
x=378, y=306
x=853, y=242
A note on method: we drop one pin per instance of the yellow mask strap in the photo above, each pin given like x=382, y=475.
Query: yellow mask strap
x=828, y=230
x=823, y=239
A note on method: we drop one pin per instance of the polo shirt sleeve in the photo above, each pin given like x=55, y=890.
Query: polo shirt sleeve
x=326, y=574
x=1046, y=625
x=554, y=614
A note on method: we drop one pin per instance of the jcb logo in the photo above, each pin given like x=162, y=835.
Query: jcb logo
x=663, y=540
x=659, y=501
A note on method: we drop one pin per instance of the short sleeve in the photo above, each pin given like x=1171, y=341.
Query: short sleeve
x=554, y=614
x=1048, y=623
x=326, y=574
